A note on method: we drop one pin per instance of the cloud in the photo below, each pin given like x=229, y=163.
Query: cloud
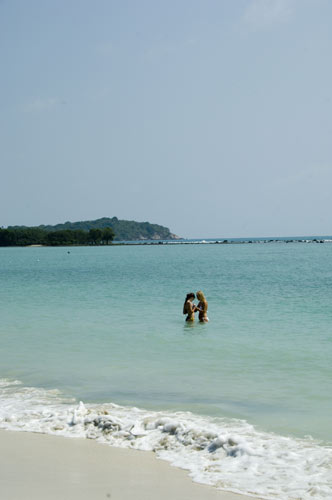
x=39, y=104
x=262, y=14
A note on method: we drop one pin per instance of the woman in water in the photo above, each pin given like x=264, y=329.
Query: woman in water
x=189, y=308
x=202, y=307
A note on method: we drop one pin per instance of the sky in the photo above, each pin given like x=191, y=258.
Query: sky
x=210, y=117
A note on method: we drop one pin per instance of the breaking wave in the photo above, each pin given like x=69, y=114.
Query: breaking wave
x=229, y=454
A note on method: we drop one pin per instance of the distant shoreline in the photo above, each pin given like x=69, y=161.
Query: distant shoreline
x=237, y=241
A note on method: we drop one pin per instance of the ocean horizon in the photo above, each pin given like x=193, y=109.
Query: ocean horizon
x=255, y=239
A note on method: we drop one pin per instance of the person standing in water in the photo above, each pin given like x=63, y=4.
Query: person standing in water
x=202, y=307
x=189, y=308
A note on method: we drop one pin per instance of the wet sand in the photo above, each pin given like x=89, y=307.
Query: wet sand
x=44, y=467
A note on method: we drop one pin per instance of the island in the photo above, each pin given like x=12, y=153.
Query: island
x=94, y=232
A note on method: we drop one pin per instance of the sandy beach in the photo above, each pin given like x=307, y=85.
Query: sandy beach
x=44, y=467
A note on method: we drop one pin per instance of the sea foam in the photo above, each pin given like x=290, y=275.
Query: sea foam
x=226, y=453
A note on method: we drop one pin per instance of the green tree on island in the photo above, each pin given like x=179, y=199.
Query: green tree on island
x=107, y=235
x=95, y=236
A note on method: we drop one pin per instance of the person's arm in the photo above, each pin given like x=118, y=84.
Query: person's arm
x=192, y=307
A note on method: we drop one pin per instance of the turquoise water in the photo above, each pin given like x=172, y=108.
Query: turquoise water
x=104, y=326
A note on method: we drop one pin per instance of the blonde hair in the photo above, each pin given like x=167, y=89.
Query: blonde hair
x=200, y=296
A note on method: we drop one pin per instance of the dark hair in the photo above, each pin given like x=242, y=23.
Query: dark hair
x=190, y=295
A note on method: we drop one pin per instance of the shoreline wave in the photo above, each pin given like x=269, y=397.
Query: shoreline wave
x=229, y=454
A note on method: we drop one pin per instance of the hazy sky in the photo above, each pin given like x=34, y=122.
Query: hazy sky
x=211, y=117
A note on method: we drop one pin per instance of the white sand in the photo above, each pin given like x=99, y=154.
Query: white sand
x=43, y=467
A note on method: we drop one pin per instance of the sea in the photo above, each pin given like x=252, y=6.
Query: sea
x=94, y=345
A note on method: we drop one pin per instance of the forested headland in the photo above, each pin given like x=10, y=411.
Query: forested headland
x=97, y=232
